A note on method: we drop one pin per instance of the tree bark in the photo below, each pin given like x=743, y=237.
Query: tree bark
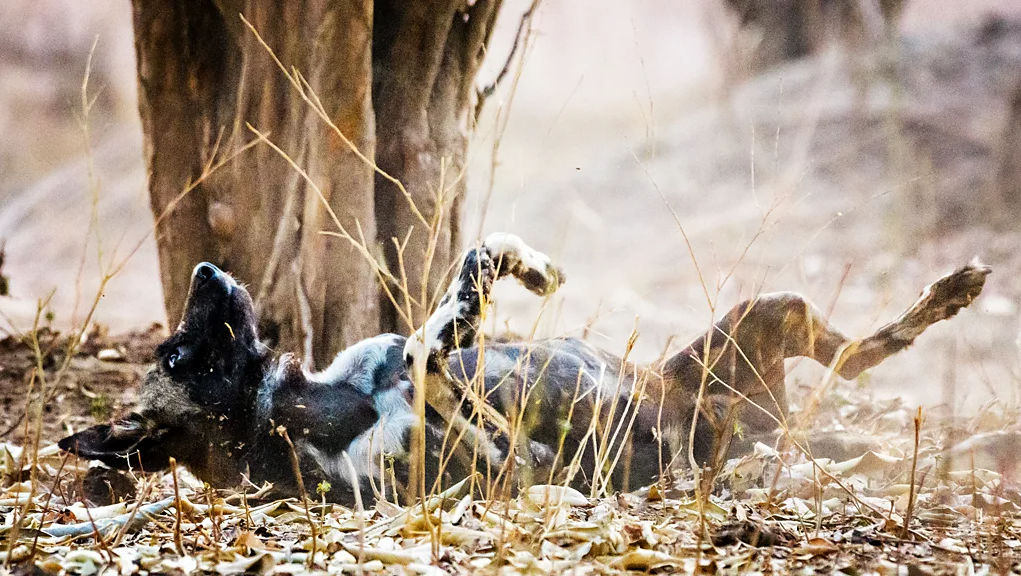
x=394, y=76
x=1008, y=178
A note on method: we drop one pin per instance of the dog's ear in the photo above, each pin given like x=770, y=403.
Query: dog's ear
x=123, y=444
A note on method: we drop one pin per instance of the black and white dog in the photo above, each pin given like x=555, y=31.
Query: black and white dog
x=216, y=399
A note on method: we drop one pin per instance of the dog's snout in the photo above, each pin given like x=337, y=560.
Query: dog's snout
x=206, y=271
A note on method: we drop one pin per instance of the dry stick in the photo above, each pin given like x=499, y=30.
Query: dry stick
x=296, y=468
x=660, y=364
x=606, y=467
x=626, y=441
x=416, y=480
x=410, y=301
x=146, y=489
x=418, y=464
x=359, y=510
x=575, y=464
x=526, y=20
x=478, y=383
x=46, y=507
x=92, y=182
x=214, y=539
x=601, y=443
x=914, y=468
x=100, y=540
x=564, y=429
x=659, y=428
x=17, y=518
x=483, y=395
x=32, y=449
x=178, y=541
x=244, y=502
x=506, y=471
x=379, y=493
x=702, y=385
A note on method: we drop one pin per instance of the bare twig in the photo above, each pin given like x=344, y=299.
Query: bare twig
x=296, y=468
x=178, y=541
x=524, y=29
x=914, y=467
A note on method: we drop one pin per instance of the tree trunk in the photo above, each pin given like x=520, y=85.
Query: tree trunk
x=790, y=29
x=395, y=75
x=1008, y=181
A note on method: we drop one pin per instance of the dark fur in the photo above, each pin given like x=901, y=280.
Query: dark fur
x=216, y=398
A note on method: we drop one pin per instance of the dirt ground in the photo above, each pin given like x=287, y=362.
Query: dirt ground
x=99, y=381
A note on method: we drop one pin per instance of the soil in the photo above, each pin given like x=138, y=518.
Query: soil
x=98, y=382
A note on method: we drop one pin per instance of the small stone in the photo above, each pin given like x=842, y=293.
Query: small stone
x=110, y=355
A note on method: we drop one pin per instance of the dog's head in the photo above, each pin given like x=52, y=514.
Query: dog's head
x=197, y=400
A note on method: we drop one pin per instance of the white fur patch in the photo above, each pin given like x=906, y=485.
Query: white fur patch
x=426, y=340
x=356, y=364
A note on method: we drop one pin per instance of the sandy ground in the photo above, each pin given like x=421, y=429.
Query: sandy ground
x=627, y=133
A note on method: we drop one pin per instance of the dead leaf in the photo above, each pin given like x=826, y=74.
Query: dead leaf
x=817, y=547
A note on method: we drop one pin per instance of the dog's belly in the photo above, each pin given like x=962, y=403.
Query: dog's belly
x=574, y=395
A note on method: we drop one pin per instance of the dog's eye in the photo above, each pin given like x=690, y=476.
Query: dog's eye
x=177, y=357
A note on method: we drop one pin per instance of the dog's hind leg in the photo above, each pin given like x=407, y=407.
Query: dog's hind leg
x=940, y=300
x=747, y=348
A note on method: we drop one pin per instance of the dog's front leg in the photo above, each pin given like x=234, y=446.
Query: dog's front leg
x=456, y=319
x=455, y=323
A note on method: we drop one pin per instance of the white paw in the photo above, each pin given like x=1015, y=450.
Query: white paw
x=533, y=269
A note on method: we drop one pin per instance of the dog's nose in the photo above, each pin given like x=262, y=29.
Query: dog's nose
x=206, y=271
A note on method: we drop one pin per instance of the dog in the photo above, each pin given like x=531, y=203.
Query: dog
x=546, y=410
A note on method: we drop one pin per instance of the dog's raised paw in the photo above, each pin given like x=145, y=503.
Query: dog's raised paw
x=958, y=289
x=533, y=269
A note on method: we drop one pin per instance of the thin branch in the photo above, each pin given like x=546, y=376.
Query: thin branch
x=525, y=25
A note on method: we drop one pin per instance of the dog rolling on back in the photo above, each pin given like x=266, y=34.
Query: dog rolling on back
x=218, y=402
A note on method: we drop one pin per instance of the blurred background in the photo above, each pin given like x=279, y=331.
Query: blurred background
x=657, y=149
